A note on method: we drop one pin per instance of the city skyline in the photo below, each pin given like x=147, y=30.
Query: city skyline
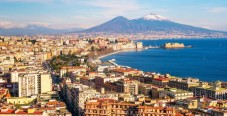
x=62, y=14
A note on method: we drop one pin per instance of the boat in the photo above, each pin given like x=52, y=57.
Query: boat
x=145, y=48
x=148, y=47
x=112, y=60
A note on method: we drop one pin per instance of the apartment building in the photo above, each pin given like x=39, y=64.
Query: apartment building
x=33, y=84
x=214, y=92
x=76, y=95
x=175, y=93
x=128, y=86
x=110, y=107
x=184, y=84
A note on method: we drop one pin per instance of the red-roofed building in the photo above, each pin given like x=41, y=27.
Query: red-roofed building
x=156, y=111
x=110, y=107
x=3, y=93
x=6, y=111
x=127, y=71
x=30, y=111
x=161, y=81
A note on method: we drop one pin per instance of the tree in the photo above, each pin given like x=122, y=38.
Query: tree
x=92, y=48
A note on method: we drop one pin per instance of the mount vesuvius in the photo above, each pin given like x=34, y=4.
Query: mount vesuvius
x=147, y=23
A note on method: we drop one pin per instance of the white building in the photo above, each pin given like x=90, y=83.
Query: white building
x=14, y=75
x=33, y=83
x=76, y=95
x=27, y=85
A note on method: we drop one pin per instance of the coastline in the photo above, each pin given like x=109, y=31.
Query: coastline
x=102, y=56
x=115, y=52
x=192, y=56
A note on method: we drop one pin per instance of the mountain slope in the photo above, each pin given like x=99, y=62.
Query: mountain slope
x=117, y=24
x=147, y=23
x=34, y=30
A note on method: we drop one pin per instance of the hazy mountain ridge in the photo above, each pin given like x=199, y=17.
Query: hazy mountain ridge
x=146, y=23
x=34, y=30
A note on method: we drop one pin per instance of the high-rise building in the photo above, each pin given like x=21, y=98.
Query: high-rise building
x=128, y=86
x=32, y=84
x=45, y=83
x=76, y=95
x=27, y=84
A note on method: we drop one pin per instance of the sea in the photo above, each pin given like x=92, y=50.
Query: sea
x=205, y=60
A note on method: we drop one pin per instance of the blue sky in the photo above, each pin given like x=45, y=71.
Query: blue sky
x=210, y=14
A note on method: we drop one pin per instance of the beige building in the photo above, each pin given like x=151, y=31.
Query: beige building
x=139, y=45
x=46, y=83
x=32, y=84
x=76, y=95
x=110, y=107
x=175, y=93
x=6, y=59
x=128, y=86
x=21, y=100
x=65, y=70
x=214, y=92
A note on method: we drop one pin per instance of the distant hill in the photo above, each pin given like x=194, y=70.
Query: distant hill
x=147, y=23
x=34, y=30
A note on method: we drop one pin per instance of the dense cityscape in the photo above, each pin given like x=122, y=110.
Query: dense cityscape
x=63, y=75
x=113, y=58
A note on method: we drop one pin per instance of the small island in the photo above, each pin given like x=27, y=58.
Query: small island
x=174, y=45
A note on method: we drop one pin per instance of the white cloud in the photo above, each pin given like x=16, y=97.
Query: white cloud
x=99, y=11
x=218, y=10
x=104, y=10
x=43, y=24
x=114, y=7
x=161, y=10
x=8, y=25
x=40, y=1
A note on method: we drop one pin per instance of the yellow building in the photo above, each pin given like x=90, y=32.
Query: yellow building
x=20, y=100
x=46, y=83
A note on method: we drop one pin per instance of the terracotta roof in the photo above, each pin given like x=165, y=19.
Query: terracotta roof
x=56, y=103
x=178, y=114
x=6, y=111
x=161, y=79
x=160, y=108
x=3, y=91
x=20, y=112
x=8, y=95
